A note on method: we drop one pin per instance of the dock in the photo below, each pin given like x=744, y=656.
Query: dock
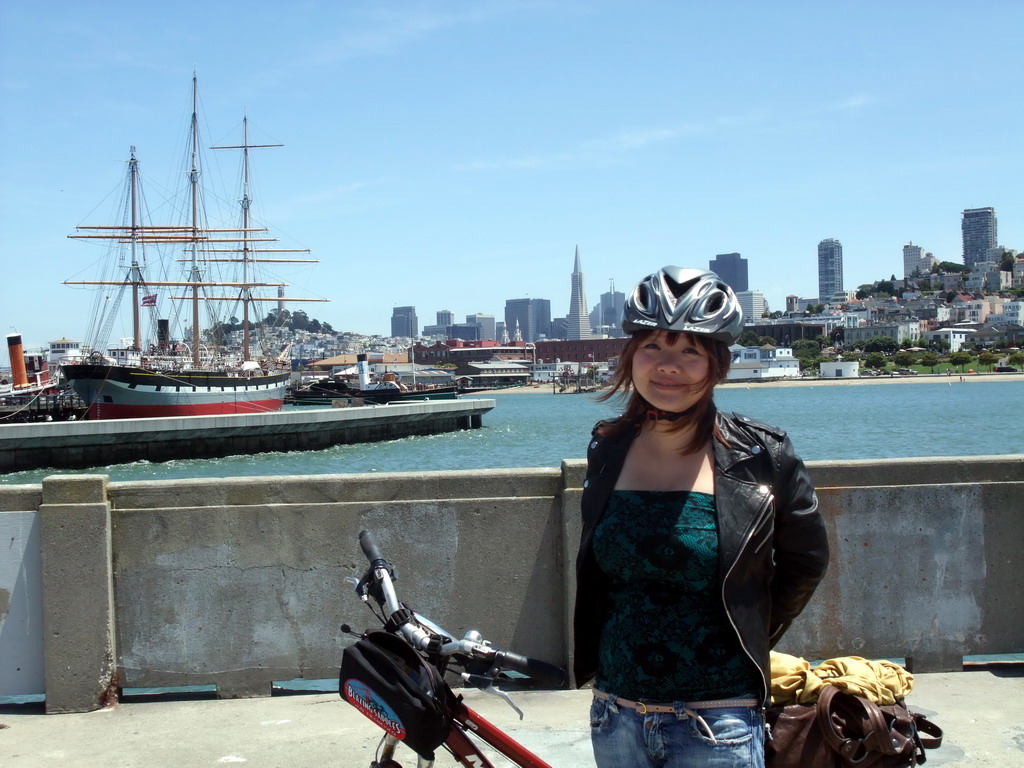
x=18, y=408
x=81, y=444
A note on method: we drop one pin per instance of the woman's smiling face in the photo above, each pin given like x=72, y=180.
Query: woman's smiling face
x=671, y=373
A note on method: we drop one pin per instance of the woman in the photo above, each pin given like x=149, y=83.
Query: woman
x=701, y=543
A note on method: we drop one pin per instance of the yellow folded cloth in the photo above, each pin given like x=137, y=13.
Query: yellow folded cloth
x=794, y=681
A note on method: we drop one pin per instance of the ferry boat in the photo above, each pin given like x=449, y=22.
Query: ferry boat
x=179, y=376
x=380, y=392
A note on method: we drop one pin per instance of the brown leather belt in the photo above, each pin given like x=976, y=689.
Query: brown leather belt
x=643, y=707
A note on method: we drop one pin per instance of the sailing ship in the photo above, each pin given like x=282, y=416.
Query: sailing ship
x=168, y=375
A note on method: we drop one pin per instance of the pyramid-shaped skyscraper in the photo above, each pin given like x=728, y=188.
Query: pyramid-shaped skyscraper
x=578, y=319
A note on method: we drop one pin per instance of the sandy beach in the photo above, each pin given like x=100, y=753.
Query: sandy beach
x=808, y=381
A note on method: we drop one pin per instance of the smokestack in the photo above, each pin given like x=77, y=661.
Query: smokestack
x=17, y=360
x=364, y=371
x=163, y=333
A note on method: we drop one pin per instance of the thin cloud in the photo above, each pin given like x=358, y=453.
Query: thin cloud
x=850, y=103
x=611, y=149
x=390, y=27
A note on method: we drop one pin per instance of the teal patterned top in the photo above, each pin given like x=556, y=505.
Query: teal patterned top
x=666, y=636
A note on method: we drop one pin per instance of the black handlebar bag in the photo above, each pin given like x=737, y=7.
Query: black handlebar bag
x=396, y=688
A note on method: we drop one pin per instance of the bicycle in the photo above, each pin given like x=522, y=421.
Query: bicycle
x=395, y=677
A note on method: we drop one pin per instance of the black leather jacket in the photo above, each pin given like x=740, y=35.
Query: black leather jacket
x=772, y=545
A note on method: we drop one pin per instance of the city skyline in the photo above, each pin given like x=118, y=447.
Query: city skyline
x=449, y=154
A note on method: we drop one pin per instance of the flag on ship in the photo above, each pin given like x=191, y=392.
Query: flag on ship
x=149, y=300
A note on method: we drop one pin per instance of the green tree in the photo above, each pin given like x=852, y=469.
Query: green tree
x=949, y=267
x=880, y=344
x=1017, y=359
x=749, y=339
x=930, y=360
x=806, y=348
x=875, y=360
x=960, y=359
x=299, y=320
x=903, y=359
x=987, y=358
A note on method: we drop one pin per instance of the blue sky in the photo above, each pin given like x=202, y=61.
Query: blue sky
x=452, y=154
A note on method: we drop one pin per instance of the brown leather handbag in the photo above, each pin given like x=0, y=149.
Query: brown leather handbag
x=846, y=731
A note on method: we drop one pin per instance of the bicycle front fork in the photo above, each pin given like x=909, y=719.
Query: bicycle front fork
x=386, y=758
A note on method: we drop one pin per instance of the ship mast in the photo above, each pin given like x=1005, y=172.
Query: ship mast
x=194, y=276
x=135, y=273
x=246, y=203
x=248, y=258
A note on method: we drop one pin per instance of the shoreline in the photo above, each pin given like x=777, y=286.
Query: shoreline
x=923, y=378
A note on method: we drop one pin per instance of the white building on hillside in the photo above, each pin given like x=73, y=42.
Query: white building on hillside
x=760, y=363
x=953, y=336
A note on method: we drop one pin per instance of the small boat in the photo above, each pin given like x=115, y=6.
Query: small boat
x=191, y=374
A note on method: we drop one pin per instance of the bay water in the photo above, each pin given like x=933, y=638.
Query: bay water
x=539, y=429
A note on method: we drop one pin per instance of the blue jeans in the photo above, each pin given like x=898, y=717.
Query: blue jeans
x=623, y=738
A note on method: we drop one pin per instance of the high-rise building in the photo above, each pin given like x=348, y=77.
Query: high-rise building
x=916, y=261
x=531, y=317
x=577, y=320
x=753, y=305
x=732, y=268
x=978, y=228
x=830, y=269
x=486, y=323
x=559, y=328
x=445, y=317
x=607, y=313
x=464, y=331
x=404, y=322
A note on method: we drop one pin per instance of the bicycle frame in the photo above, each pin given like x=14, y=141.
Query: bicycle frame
x=465, y=750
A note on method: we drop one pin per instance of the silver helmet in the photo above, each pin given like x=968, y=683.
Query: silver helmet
x=684, y=300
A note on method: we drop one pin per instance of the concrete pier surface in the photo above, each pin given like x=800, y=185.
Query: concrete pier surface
x=79, y=444
x=981, y=713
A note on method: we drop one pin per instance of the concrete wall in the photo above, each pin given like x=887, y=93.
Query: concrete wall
x=239, y=582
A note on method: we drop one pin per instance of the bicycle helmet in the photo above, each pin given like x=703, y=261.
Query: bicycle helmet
x=684, y=300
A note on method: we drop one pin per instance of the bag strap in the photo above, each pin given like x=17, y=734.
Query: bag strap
x=925, y=726
x=836, y=709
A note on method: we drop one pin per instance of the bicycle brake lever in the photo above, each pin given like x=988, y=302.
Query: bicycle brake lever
x=359, y=586
x=494, y=691
x=486, y=684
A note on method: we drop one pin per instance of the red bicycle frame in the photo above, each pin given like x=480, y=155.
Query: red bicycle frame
x=465, y=721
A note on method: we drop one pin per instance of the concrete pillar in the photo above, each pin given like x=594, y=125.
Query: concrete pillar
x=78, y=597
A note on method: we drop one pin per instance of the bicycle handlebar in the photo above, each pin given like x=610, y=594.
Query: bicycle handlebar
x=542, y=671
x=368, y=543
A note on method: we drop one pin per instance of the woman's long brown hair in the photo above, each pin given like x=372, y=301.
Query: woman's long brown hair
x=701, y=415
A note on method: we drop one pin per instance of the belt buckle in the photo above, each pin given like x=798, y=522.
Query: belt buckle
x=642, y=704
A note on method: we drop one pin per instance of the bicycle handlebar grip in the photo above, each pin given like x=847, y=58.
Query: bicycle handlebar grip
x=368, y=543
x=541, y=671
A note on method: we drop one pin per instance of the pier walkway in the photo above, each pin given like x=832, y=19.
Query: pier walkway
x=981, y=712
